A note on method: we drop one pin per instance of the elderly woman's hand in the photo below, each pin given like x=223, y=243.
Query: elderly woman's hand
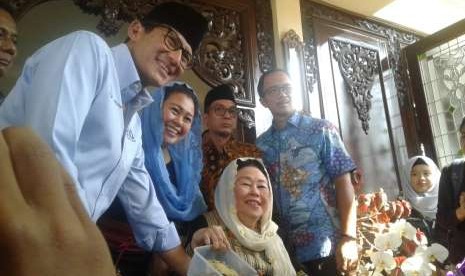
x=44, y=229
x=347, y=256
x=213, y=236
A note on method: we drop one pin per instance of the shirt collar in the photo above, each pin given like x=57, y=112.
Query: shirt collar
x=128, y=77
x=293, y=120
x=127, y=71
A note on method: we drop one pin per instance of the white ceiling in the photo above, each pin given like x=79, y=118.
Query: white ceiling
x=426, y=16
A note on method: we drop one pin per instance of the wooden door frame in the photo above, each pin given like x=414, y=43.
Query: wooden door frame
x=395, y=36
x=422, y=124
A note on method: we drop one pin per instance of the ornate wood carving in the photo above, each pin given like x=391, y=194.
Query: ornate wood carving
x=221, y=57
x=358, y=66
x=310, y=60
x=265, y=46
x=247, y=117
x=292, y=40
x=395, y=38
x=224, y=56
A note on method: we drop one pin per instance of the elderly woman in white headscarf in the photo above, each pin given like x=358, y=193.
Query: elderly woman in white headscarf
x=242, y=219
x=422, y=191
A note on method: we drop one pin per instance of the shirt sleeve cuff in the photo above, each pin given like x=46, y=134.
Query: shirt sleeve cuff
x=163, y=239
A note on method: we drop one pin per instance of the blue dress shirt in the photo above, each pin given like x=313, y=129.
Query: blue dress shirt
x=82, y=98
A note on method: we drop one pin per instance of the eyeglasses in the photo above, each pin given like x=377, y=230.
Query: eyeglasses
x=173, y=43
x=9, y=36
x=220, y=111
x=278, y=89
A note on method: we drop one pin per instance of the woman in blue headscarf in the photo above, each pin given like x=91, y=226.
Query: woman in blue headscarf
x=171, y=137
x=173, y=153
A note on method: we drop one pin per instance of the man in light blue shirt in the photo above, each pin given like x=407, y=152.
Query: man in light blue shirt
x=82, y=98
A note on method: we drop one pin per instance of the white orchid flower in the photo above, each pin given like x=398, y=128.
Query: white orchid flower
x=397, y=226
x=415, y=266
x=383, y=261
x=403, y=229
x=420, y=250
x=410, y=232
x=436, y=252
x=388, y=241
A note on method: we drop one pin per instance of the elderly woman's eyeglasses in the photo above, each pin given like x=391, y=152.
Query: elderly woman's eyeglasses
x=173, y=43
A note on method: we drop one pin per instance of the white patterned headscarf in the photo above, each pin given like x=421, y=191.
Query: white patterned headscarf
x=267, y=239
x=425, y=203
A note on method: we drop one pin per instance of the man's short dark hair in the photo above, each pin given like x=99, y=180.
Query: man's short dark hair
x=7, y=8
x=184, y=19
x=220, y=92
x=264, y=75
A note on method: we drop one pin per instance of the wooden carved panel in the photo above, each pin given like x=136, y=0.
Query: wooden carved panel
x=358, y=66
x=240, y=36
x=264, y=35
x=396, y=39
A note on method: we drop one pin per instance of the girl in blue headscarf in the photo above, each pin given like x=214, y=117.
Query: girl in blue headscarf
x=171, y=138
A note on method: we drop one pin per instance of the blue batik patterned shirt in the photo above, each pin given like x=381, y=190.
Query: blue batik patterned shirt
x=303, y=159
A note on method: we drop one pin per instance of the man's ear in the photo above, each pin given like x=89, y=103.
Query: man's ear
x=135, y=30
x=205, y=120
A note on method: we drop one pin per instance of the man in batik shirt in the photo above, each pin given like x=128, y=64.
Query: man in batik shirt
x=218, y=144
x=310, y=172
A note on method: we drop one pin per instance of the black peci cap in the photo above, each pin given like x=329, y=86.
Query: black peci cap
x=184, y=19
x=221, y=92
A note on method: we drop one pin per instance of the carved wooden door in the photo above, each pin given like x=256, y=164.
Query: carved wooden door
x=354, y=71
x=353, y=94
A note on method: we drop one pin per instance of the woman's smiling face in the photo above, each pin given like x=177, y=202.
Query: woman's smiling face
x=178, y=116
x=421, y=178
x=252, y=195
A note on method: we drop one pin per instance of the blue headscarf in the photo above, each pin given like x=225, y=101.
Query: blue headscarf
x=182, y=201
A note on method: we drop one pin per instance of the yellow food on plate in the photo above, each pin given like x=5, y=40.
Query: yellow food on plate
x=223, y=268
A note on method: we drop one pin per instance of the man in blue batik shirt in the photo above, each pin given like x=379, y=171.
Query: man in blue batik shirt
x=310, y=171
x=82, y=98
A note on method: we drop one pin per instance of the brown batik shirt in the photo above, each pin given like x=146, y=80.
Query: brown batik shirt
x=214, y=162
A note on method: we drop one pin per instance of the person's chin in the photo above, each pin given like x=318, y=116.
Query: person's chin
x=160, y=78
x=170, y=140
x=225, y=132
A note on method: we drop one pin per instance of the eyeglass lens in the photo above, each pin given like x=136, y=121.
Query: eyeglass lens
x=173, y=43
x=221, y=111
x=285, y=89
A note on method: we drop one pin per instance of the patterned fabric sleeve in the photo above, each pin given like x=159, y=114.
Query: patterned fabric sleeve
x=334, y=154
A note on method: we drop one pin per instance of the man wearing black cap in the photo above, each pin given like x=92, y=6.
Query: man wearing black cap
x=219, y=146
x=82, y=98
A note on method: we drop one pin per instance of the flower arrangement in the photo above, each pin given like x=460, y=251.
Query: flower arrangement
x=389, y=244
